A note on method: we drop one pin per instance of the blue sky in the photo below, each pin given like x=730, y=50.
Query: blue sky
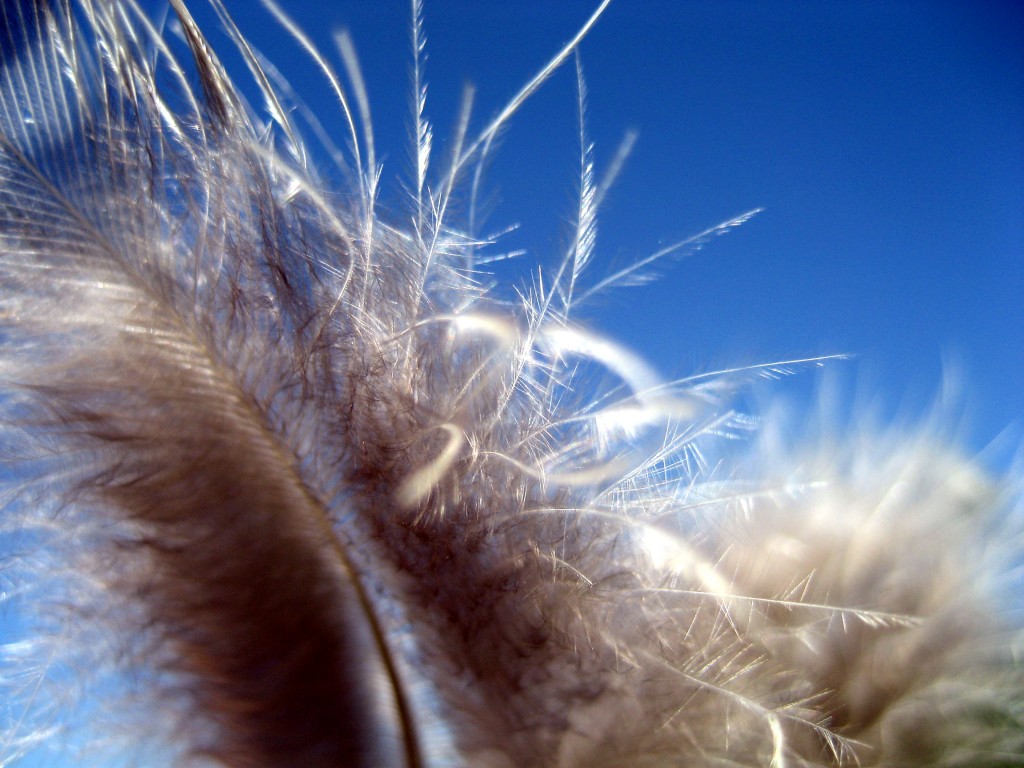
x=885, y=142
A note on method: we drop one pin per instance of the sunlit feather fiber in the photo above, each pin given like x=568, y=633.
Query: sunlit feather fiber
x=286, y=485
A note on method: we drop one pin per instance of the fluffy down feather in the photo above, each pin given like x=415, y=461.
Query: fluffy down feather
x=285, y=484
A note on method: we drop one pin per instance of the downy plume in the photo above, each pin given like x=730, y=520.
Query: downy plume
x=285, y=483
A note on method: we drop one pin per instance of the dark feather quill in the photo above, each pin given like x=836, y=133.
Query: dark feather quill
x=285, y=473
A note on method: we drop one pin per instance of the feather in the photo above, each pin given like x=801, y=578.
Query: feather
x=286, y=484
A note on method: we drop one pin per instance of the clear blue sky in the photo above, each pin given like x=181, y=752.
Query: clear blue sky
x=884, y=140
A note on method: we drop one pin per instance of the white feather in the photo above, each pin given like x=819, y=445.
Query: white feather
x=286, y=485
